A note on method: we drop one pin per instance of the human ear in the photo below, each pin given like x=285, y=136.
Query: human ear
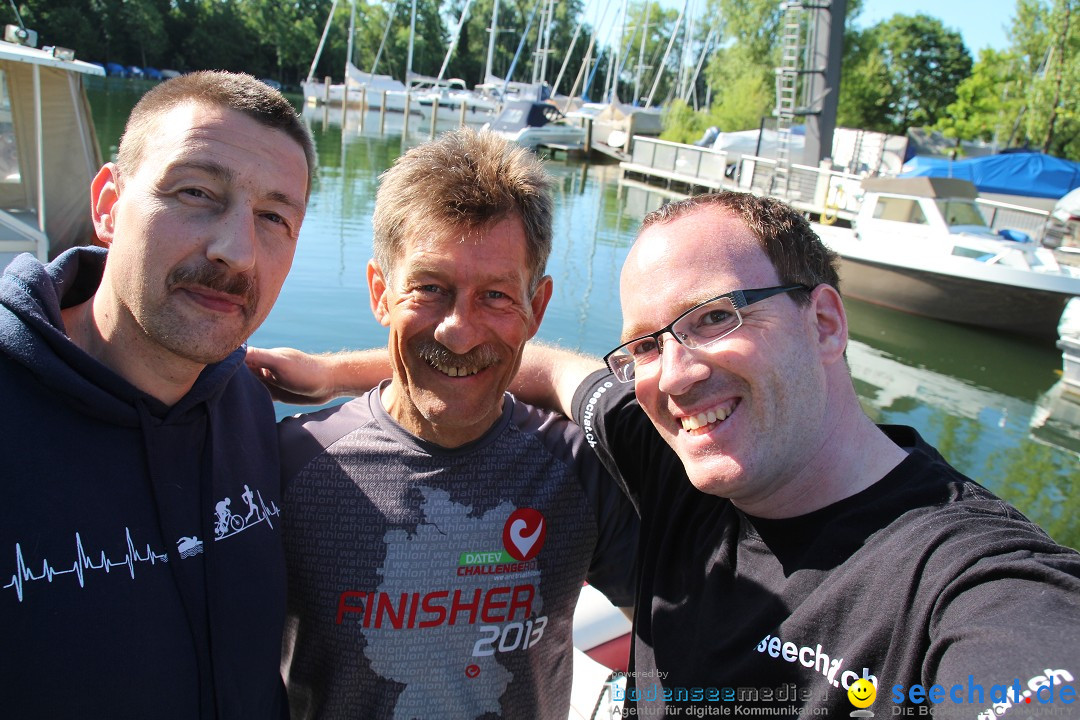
x=377, y=287
x=539, y=302
x=830, y=322
x=104, y=192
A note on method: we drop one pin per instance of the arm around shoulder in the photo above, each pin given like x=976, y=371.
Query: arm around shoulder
x=549, y=376
x=304, y=379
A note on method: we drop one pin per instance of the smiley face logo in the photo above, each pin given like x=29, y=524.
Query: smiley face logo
x=862, y=693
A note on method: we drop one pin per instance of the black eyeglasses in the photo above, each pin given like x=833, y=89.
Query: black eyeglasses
x=698, y=327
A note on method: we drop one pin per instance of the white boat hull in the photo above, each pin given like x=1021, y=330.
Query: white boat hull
x=373, y=99
x=951, y=288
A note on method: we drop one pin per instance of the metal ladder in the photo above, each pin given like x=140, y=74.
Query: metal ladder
x=787, y=89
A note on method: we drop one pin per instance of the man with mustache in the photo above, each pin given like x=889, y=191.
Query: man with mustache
x=135, y=587
x=438, y=530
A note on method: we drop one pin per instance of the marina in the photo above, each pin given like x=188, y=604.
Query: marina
x=991, y=402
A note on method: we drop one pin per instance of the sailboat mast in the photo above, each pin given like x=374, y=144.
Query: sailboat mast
x=547, y=41
x=349, y=47
x=386, y=34
x=412, y=35
x=616, y=61
x=454, y=42
x=641, y=55
x=489, y=71
x=322, y=41
x=663, y=61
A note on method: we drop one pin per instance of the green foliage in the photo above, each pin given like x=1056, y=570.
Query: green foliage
x=741, y=73
x=989, y=102
x=1025, y=97
x=900, y=73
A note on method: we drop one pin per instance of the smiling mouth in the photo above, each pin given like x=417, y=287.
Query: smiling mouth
x=705, y=420
x=451, y=364
x=453, y=370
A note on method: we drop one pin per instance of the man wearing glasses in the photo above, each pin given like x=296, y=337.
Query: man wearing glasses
x=789, y=546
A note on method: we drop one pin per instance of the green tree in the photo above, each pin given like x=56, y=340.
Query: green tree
x=1049, y=36
x=1024, y=96
x=989, y=102
x=865, y=83
x=903, y=72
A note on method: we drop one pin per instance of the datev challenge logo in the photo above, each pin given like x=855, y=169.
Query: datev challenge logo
x=522, y=538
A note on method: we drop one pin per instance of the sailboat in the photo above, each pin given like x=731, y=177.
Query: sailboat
x=359, y=86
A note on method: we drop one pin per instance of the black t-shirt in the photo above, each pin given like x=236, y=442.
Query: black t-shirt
x=925, y=583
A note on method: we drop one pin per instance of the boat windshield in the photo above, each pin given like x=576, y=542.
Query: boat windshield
x=960, y=212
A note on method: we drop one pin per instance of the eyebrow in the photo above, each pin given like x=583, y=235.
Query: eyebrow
x=226, y=175
x=627, y=337
x=422, y=270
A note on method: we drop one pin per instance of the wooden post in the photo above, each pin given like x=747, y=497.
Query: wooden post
x=326, y=90
x=382, y=113
x=464, y=109
x=363, y=106
x=434, y=114
x=408, y=111
x=588, y=135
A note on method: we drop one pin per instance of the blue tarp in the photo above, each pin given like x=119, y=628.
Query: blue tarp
x=1031, y=174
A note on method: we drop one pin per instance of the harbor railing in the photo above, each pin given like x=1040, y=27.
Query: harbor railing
x=832, y=195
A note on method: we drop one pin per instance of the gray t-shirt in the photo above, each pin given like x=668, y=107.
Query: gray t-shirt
x=427, y=582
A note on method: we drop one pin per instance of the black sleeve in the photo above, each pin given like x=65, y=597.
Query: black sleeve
x=620, y=432
x=613, y=568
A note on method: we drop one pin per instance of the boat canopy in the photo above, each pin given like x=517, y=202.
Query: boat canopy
x=517, y=114
x=1030, y=174
x=49, y=152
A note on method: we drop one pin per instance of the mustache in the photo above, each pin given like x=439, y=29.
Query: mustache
x=433, y=351
x=218, y=279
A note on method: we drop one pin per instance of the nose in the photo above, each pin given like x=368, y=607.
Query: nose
x=680, y=368
x=458, y=330
x=234, y=240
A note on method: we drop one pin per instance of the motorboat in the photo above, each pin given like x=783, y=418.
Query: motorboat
x=532, y=124
x=451, y=96
x=921, y=245
x=49, y=152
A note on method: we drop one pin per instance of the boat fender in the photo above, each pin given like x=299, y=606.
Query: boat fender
x=1014, y=235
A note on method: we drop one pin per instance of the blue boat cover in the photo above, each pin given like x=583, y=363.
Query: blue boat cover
x=1016, y=173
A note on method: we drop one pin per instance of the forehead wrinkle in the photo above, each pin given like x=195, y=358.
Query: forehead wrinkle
x=420, y=267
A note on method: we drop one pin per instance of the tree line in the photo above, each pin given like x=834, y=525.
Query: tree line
x=709, y=62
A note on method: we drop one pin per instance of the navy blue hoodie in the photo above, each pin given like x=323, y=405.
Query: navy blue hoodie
x=141, y=569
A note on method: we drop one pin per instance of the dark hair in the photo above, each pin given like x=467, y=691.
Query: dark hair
x=791, y=245
x=236, y=91
x=465, y=179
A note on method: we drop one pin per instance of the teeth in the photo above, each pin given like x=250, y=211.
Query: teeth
x=453, y=371
x=717, y=414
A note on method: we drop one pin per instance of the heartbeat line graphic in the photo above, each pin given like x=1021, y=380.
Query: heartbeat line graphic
x=83, y=563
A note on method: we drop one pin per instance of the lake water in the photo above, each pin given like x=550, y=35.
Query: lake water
x=991, y=404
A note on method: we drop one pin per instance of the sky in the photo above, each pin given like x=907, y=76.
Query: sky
x=982, y=23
